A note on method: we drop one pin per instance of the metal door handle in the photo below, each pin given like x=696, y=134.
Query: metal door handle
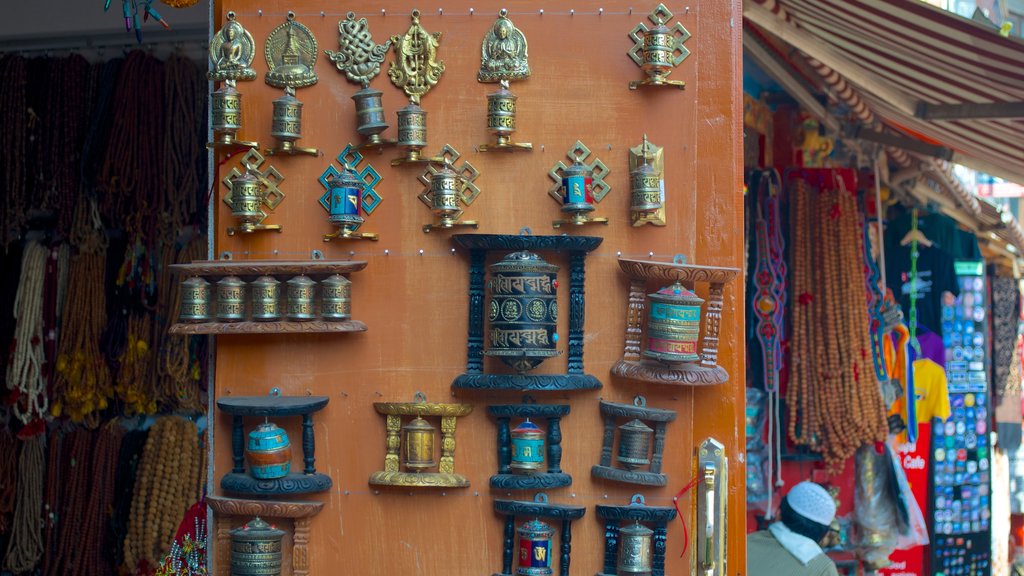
x=708, y=563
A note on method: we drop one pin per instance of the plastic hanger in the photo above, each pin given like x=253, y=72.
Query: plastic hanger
x=917, y=235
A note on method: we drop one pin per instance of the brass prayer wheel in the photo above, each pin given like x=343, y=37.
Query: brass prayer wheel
x=523, y=310
x=645, y=187
x=501, y=114
x=445, y=185
x=266, y=298
x=336, y=298
x=256, y=549
x=634, y=444
x=673, y=325
x=419, y=444
x=286, y=123
x=527, y=448
x=226, y=113
x=412, y=130
x=370, y=116
x=300, y=298
x=230, y=299
x=195, y=300
x=635, y=550
x=246, y=201
x=659, y=43
x=269, y=452
x=534, y=548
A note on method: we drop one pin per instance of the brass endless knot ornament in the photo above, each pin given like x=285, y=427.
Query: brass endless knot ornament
x=358, y=56
x=251, y=192
x=232, y=50
x=416, y=68
x=291, y=54
x=448, y=188
x=658, y=50
x=503, y=54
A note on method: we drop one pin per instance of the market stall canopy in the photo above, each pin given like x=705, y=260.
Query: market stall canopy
x=944, y=85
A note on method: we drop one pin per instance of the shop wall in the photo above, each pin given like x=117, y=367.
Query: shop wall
x=415, y=303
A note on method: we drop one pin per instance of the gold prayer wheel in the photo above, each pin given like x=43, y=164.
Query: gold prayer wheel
x=226, y=113
x=412, y=131
x=256, y=549
x=501, y=114
x=230, y=299
x=659, y=43
x=300, y=298
x=445, y=186
x=286, y=123
x=419, y=444
x=246, y=201
x=266, y=296
x=195, y=300
x=635, y=550
x=645, y=186
x=336, y=298
x=634, y=444
x=370, y=117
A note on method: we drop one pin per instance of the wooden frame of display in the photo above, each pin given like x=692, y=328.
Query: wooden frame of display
x=300, y=513
x=633, y=365
x=611, y=412
x=445, y=477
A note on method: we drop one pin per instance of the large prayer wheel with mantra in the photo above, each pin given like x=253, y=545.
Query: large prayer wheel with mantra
x=256, y=549
x=523, y=310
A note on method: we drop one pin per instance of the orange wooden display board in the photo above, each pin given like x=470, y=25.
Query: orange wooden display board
x=415, y=303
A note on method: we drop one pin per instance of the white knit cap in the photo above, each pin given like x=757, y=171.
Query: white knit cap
x=813, y=502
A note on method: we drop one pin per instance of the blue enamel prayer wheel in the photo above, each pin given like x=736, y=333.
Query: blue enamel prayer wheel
x=527, y=448
x=523, y=310
x=269, y=452
x=346, y=199
x=577, y=189
x=534, y=549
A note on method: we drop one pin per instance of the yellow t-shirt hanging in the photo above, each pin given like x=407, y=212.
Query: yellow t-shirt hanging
x=931, y=391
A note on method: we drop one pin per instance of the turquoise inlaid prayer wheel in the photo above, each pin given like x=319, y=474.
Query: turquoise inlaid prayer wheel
x=534, y=549
x=527, y=448
x=269, y=452
x=346, y=194
x=523, y=310
x=673, y=325
x=256, y=549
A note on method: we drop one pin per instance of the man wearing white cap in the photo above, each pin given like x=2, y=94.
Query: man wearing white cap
x=790, y=547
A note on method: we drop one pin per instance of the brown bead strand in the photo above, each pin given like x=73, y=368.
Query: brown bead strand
x=8, y=477
x=13, y=139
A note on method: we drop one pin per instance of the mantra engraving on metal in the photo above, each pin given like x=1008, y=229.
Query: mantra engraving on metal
x=409, y=455
x=518, y=471
x=539, y=508
x=358, y=56
x=449, y=188
x=348, y=194
x=658, y=50
x=635, y=449
x=255, y=191
x=416, y=69
x=479, y=245
x=647, y=184
x=635, y=548
x=579, y=186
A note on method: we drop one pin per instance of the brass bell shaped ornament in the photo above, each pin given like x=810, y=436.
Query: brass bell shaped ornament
x=419, y=444
x=634, y=444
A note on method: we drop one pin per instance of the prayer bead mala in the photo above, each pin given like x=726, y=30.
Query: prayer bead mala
x=25, y=371
x=184, y=156
x=8, y=476
x=26, y=544
x=178, y=368
x=13, y=139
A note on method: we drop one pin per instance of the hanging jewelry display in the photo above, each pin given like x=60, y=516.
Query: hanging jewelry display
x=231, y=53
x=349, y=193
x=636, y=450
x=410, y=447
x=522, y=450
x=415, y=70
x=448, y=188
x=535, y=537
x=503, y=59
x=520, y=333
x=647, y=184
x=291, y=54
x=632, y=548
x=669, y=350
x=579, y=186
x=251, y=192
x=658, y=50
x=360, y=59
x=264, y=476
x=256, y=549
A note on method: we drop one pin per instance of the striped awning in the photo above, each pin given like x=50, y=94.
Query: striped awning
x=925, y=73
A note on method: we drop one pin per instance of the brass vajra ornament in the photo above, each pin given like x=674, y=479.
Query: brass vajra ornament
x=503, y=55
x=232, y=50
x=291, y=54
x=416, y=68
x=658, y=50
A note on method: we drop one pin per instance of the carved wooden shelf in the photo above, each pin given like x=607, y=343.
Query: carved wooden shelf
x=299, y=513
x=254, y=268
x=633, y=366
x=240, y=482
x=311, y=327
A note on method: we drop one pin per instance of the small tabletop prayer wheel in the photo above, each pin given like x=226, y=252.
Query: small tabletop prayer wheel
x=269, y=452
x=673, y=325
x=300, y=298
x=256, y=549
x=527, y=448
x=266, y=297
x=635, y=538
x=195, y=300
x=230, y=299
x=226, y=113
x=534, y=548
x=419, y=444
x=501, y=114
x=336, y=298
x=523, y=310
x=635, y=550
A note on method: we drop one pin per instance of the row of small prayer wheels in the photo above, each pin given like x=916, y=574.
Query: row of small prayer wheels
x=233, y=300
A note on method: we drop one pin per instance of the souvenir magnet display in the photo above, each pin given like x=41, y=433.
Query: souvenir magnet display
x=251, y=192
x=658, y=50
x=349, y=194
x=410, y=447
x=632, y=548
x=359, y=58
x=523, y=450
x=448, y=189
x=291, y=53
x=272, y=407
x=534, y=539
x=579, y=186
x=232, y=50
x=503, y=58
x=639, y=459
x=647, y=184
x=415, y=70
